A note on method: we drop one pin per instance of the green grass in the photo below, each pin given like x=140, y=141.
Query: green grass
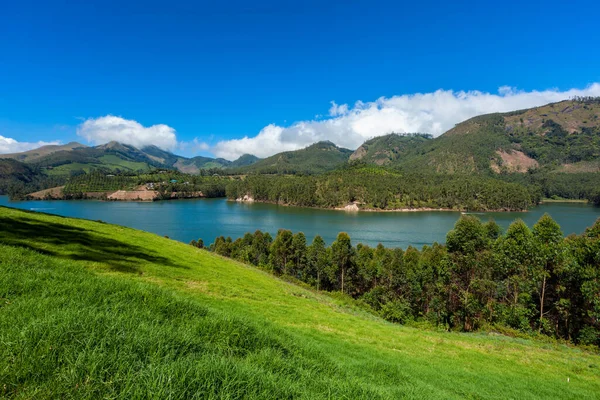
x=111, y=162
x=66, y=169
x=92, y=310
x=114, y=162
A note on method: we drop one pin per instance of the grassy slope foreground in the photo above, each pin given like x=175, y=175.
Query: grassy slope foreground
x=90, y=310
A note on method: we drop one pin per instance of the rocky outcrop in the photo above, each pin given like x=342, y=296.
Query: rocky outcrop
x=513, y=161
x=245, y=199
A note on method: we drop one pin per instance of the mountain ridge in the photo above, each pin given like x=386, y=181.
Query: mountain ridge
x=562, y=136
x=117, y=156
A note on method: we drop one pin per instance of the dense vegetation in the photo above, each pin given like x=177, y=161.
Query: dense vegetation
x=576, y=186
x=468, y=148
x=317, y=158
x=531, y=281
x=17, y=179
x=165, y=182
x=378, y=188
x=388, y=149
x=93, y=310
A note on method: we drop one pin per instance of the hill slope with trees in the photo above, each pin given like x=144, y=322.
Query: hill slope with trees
x=533, y=281
x=389, y=149
x=317, y=158
x=562, y=136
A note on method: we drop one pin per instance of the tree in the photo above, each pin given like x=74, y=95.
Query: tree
x=342, y=254
x=198, y=243
x=366, y=267
x=261, y=243
x=514, y=253
x=550, y=257
x=492, y=229
x=222, y=246
x=467, y=246
x=281, y=251
x=318, y=258
x=299, y=254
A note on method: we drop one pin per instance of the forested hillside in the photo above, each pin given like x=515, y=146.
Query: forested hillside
x=378, y=188
x=17, y=179
x=562, y=136
x=168, y=184
x=532, y=281
x=389, y=149
x=317, y=158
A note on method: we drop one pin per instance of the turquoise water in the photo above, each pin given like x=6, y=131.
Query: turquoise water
x=185, y=220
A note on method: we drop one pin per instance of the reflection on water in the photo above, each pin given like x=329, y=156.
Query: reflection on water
x=185, y=220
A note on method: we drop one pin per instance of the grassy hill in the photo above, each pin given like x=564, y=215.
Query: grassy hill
x=316, y=158
x=90, y=310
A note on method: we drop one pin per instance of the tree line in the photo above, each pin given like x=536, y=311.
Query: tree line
x=164, y=182
x=531, y=281
x=376, y=188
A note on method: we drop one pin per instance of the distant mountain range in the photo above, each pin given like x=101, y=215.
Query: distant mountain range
x=76, y=157
x=563, y=137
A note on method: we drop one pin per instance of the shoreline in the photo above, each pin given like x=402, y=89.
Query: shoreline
x=353, y=208
x=139, y=195
x=563, y=201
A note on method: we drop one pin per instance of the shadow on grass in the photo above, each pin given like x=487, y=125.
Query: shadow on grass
x=70, y=242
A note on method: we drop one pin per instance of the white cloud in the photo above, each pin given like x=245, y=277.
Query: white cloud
x=194, y=146
x=267, y=142
x=9, y=145
x=432, y=113
x=337, y=110
x=105, y=129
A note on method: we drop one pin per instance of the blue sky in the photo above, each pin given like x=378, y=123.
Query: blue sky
x=221, y=71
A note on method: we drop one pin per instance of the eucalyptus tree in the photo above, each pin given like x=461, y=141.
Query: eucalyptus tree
x=342, y=254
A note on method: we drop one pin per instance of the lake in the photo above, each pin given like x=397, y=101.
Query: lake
x=185, y=220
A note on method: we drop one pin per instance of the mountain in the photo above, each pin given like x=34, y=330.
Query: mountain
x=195, y=164
x=160, y=156
x=388, y=149
x=74, y=157
x=562, y=137
x=112, y=156
x=33, y=155
x=244, y=161
x=319, y=157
